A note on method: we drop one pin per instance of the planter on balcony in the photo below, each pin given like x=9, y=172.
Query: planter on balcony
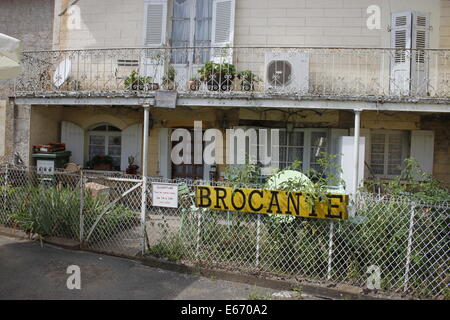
x=218, y=76
x=194, y=84
x=224, y=85
x=248, y=80
x=137, y=83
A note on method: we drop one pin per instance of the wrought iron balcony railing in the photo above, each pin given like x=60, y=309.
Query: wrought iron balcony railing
x=345, y=72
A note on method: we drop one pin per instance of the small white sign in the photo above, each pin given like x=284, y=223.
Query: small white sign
x=165, y=195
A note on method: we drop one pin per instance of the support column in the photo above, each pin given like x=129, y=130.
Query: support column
x=21, y=132
x=144, y=174
x=356, y=152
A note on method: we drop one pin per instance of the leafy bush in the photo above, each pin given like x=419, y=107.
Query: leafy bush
x=55, y=211
x=413, y=182
x=136, y=82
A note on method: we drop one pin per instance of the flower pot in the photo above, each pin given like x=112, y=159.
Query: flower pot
x=193, y=85
x=225, y=85
x=153, y=86
x=102, y=166
x=169, y=87
x=132, y=169
x=137, y=87
x=247, y=86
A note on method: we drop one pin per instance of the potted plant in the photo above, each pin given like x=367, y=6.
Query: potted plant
x=102, y=162
x=136, y=82
x=168, y=80
x=218, y=76
x=132, y=168
x=194, y=84
x=248, y=80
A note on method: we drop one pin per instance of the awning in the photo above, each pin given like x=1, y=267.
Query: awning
x=10, y=50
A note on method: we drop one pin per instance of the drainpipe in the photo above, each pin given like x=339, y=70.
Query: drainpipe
x=356, y=154
x=144, y=173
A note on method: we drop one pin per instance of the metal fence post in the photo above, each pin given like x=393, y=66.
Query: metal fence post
x=258, y=238
x=4, y=200
x=143, y=212
x=408, y=251
x=81, y=206
x=199, y=226
x=330, y=250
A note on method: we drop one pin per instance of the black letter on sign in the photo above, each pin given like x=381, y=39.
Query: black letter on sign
x=260, y=192
x=221, y=197
x=274, y=197
x=243, y=199
x=202, y=196
x=313, y=209
x=341, y=199
x=292, y=200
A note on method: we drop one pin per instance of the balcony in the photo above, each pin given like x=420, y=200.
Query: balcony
x=302, y=73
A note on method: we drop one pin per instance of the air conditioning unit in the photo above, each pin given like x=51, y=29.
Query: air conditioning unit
x=287, y=71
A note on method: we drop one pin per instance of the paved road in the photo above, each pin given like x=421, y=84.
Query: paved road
x=29, y=271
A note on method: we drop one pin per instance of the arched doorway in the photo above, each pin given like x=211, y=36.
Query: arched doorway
x=106, y=139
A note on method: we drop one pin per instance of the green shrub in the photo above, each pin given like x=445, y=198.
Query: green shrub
x=55, y=211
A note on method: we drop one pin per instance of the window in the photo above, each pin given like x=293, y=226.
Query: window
x=191, y=27
x=186, y=170
x=387, y=150
x=306, y=145
x=106, y=140
x=409, y=63
x=291, y=147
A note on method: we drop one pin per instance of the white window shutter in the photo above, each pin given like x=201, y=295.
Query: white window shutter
x=401, y=59
x=422, y=149
x=420, y=59
x=155, y=23
x=222, y=34
x=345, y=147
x=334, y=144
x=73, y=136
x=164, y=153
x=334, y=135
x=131, y=145
x=366, y=134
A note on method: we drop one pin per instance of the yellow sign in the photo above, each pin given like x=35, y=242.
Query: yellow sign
x=271, y=202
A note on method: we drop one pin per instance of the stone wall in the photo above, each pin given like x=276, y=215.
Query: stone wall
x=28, y=20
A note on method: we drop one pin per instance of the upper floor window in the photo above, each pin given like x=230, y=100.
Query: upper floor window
x=410, y=35
x=191, y=27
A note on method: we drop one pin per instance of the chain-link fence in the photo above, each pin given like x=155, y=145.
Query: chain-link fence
x=407, y=241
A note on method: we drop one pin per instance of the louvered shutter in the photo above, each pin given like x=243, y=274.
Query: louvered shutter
x=222, y=31
x=155, y=23
x=154, y=36
x=401, y=58
x=422, y=149
x=419, y=61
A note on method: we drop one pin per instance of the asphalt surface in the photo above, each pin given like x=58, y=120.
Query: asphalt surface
x=29, y=271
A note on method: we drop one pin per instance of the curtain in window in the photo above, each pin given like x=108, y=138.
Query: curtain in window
x=181, y=29
x=203, y=21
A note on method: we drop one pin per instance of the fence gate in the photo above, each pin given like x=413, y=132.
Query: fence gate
x=110, y=214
